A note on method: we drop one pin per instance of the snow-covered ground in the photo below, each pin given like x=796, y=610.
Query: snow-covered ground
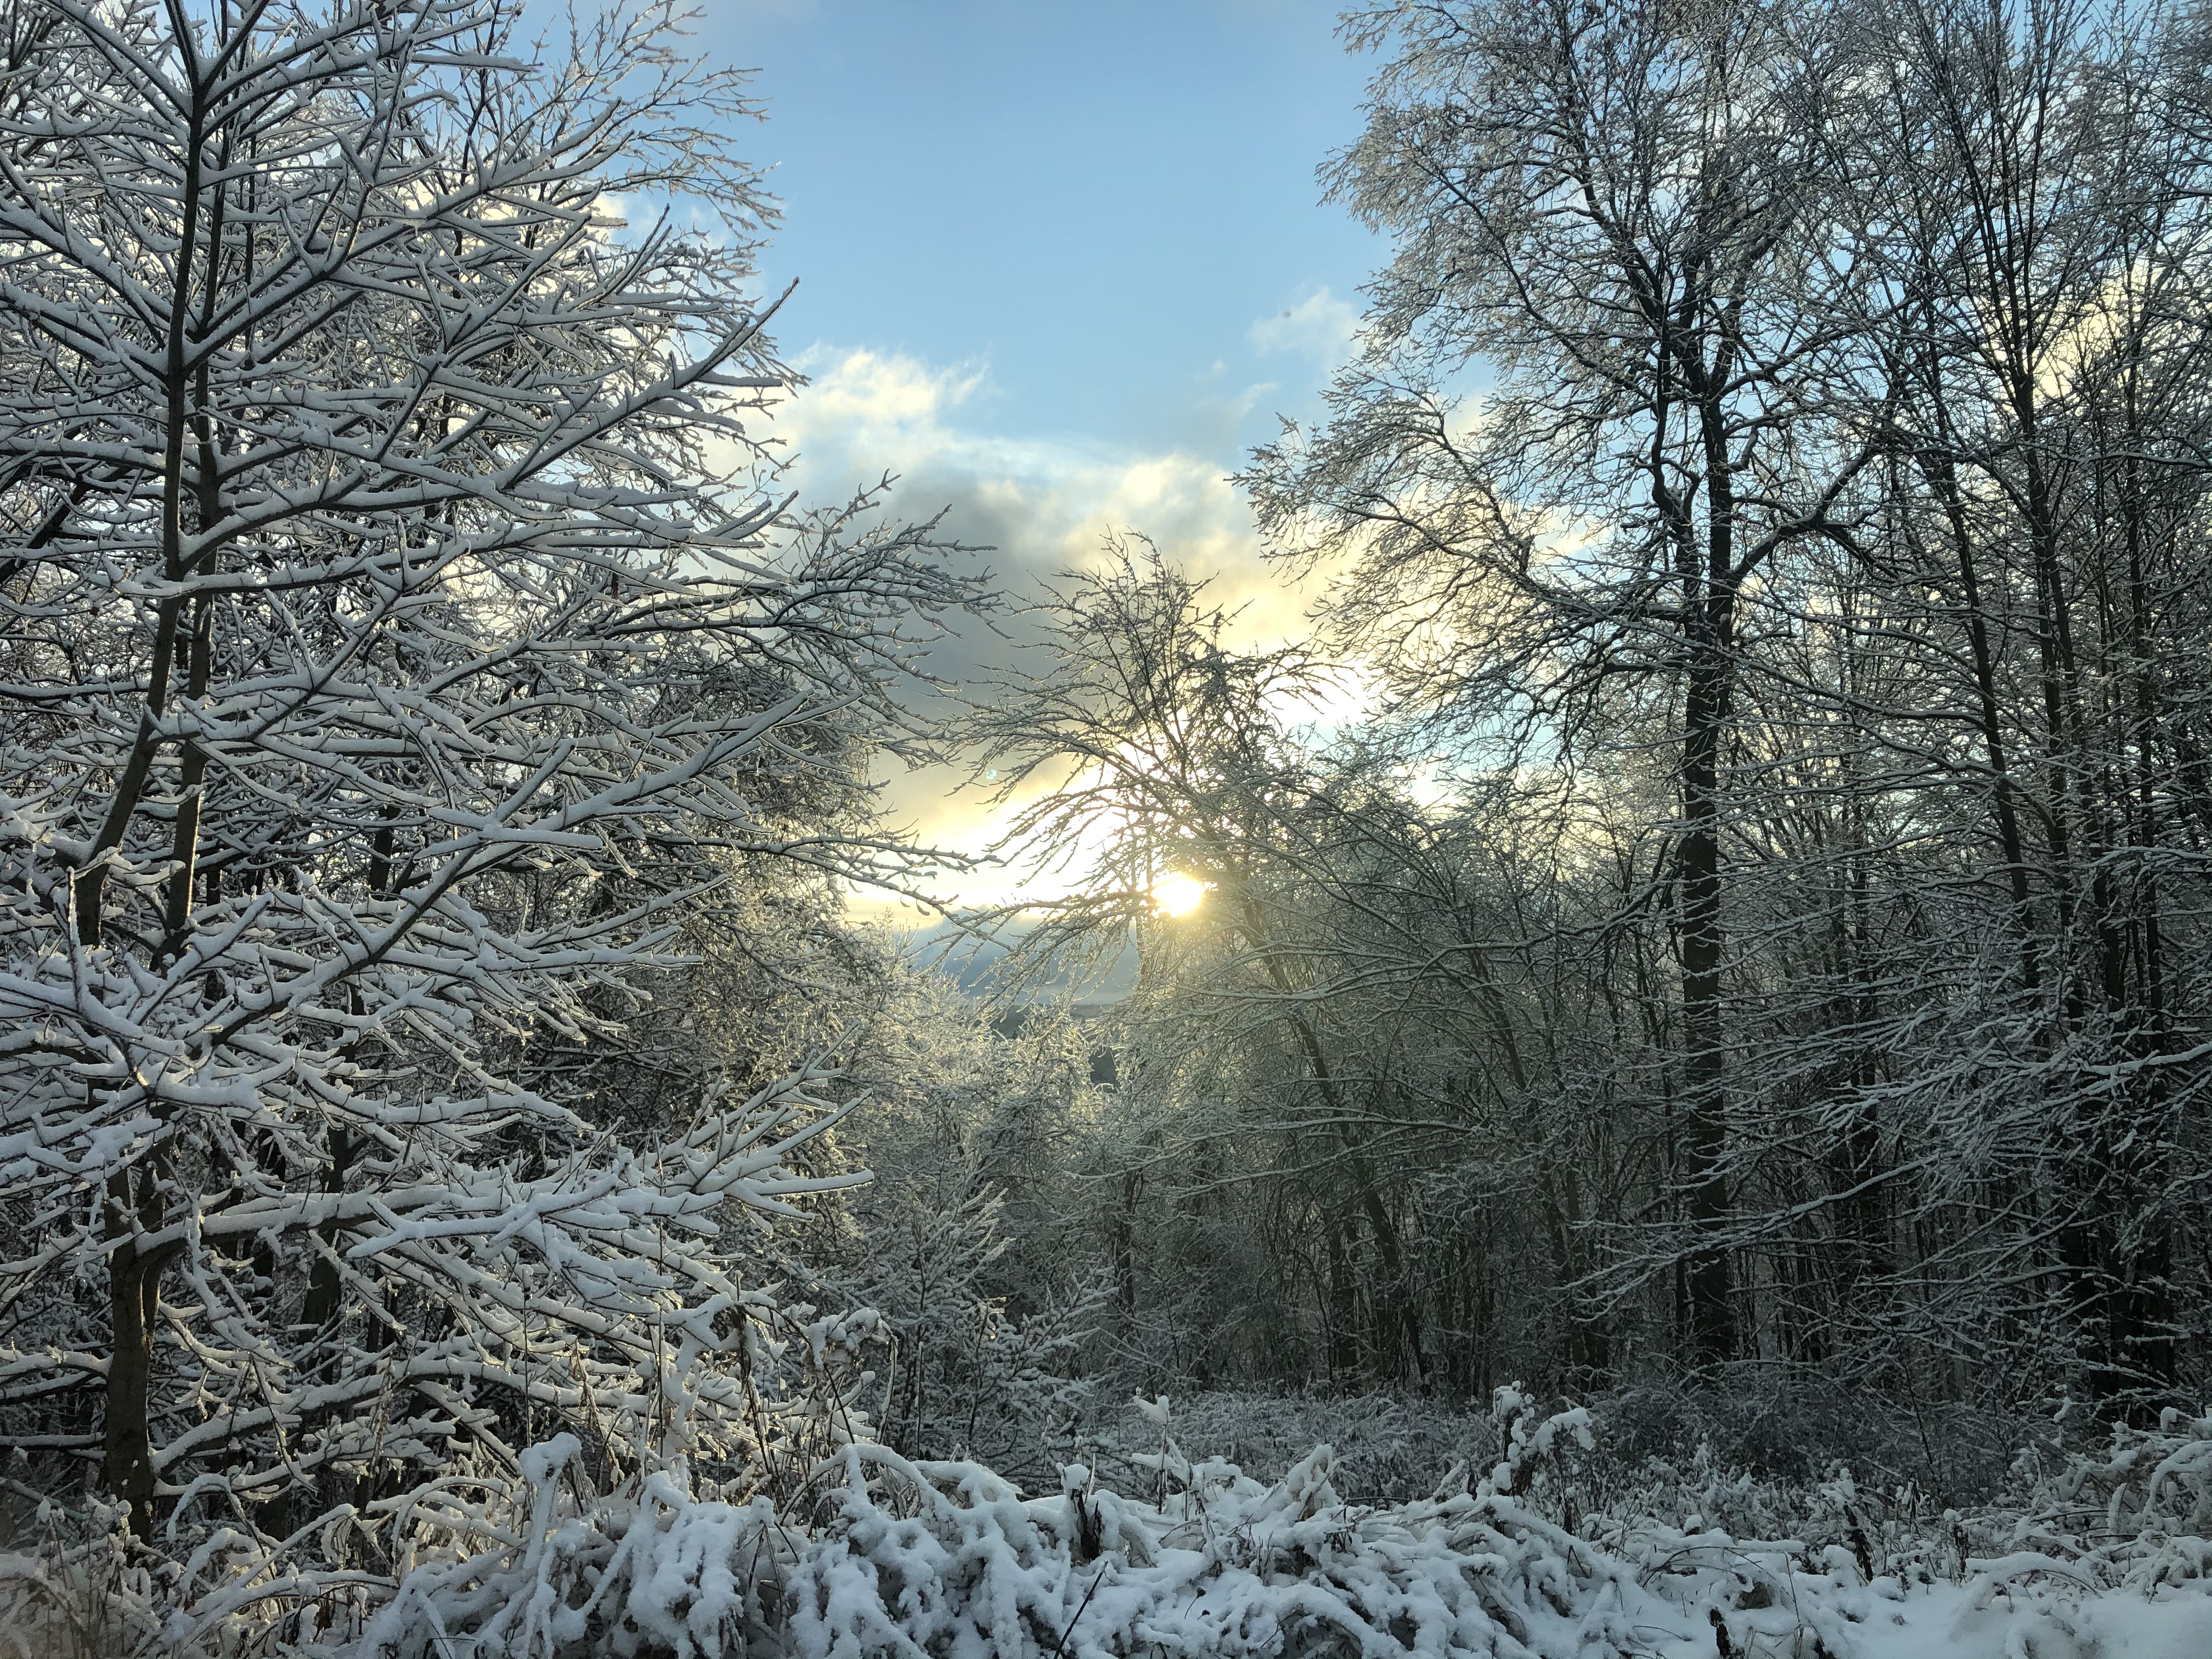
x=1551, y=1554
x=909, y=1558
x=1958, y=1622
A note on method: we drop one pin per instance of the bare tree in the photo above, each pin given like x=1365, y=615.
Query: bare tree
x=1621, y=213
x=389, y=558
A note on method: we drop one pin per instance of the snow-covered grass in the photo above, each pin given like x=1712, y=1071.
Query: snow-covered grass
x=1389, y=1447
x=2090, y=1557
x=910, y=1558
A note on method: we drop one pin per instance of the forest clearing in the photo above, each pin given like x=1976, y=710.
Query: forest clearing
x=1602, y=1050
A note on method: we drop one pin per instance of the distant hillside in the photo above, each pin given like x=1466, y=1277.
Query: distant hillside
x=977, y=966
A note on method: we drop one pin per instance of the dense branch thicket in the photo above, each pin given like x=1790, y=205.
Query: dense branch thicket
x=407, y=659
x=1761, y=928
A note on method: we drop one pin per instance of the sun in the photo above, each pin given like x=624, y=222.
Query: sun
x=1178, y=895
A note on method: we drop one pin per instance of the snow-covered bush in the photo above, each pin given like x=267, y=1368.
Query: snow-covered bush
x=1388, y=1447
x=888, y=1554
x=2135, y=1512
x=73, y=1591
x=911, y=1556
x=863, y=1551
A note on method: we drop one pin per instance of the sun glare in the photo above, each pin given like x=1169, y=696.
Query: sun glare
x=1178, y=895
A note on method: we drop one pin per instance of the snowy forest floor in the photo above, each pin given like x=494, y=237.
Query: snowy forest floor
x=1561, y=1550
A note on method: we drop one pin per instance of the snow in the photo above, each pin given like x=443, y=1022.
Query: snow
x=908, y=1557
x=871, y=1552
x=1944, y=1621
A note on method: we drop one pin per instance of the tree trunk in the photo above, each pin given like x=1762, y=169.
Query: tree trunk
x=1708, y=1285
x=134, y=1298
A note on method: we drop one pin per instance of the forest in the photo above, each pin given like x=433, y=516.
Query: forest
x=1641, y=1088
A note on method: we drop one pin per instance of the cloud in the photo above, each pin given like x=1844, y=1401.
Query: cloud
x=863, y=401
x=1319, y=326
x=1045, y=505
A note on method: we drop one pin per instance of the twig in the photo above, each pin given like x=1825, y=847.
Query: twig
x=1060, y=1646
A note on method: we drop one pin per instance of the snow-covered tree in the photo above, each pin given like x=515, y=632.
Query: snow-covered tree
x=399, y=630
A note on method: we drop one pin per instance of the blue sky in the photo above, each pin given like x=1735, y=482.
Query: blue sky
x=1093, y=203
x=1059, y=267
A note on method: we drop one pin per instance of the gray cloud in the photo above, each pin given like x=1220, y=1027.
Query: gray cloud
x=1044, y=506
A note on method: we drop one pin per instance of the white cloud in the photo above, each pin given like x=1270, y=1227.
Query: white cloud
x=1045, y=505
x=859, y=401
x=1319, y=326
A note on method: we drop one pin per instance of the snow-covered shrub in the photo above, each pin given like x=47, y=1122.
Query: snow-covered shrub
x=915, y=1556
x=989, y=1321
x=548, y=1565
x=1535, y=1447
x=2137, y=1511
x=550, y=1552
x=1389, y=1448
x=893, y=1555
x=868, y=1552
x=74, y=1593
